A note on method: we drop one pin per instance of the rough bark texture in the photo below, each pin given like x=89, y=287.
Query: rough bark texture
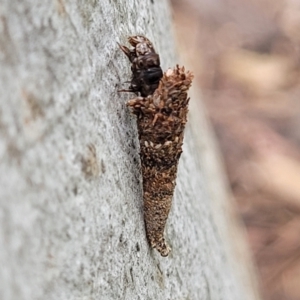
x=71, y=220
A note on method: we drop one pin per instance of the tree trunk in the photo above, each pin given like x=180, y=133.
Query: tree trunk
x=71, y=220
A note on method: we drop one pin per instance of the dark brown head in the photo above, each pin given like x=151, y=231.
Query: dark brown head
x=146, y=70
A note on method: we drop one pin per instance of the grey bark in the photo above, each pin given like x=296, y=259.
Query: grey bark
x=71, y=222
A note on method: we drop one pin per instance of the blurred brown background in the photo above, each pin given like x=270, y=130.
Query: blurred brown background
x=246, y=58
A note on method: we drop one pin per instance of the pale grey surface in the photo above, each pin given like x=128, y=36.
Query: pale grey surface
x=71, y=224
